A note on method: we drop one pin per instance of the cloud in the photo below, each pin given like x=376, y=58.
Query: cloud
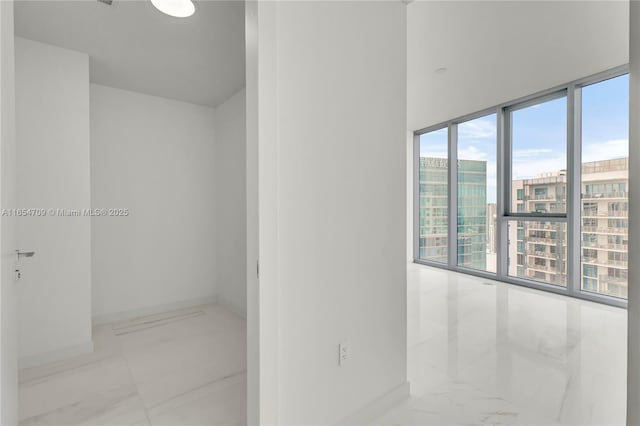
x=531, y=152
x=433, y=153
x=477, y=129
x=615, y=148
x=472, y=153
x=529, y=168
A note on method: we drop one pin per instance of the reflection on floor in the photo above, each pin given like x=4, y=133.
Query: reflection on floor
x=185, y=367
x=486, y=353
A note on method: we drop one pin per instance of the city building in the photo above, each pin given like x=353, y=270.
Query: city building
x=472, y=211
x=540, y=248
x=605, y=226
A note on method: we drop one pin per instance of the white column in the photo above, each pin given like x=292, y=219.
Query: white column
x=8, y=333
x=262, y=288
x=633, y=351
x=326, y=107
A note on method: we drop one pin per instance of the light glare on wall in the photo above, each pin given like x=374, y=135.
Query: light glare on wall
x=177, y=8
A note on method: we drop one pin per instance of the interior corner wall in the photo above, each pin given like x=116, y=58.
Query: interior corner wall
x=332, y=157
x=156, y=158
x=52, y=133
x=231, y=213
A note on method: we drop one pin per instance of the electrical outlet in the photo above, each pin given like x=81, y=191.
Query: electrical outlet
x=343, y=353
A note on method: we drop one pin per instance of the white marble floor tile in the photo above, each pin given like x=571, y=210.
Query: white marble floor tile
x=105, y=345
x=220, y=402
x=171, y=367
x=71, y=388
x=116, y=406
x=482, y=352
x=177, y=368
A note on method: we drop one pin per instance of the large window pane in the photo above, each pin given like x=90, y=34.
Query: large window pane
x=605, y=180
x=434, y=196
x=538, y=251
x=539, y=158
x=477, y=193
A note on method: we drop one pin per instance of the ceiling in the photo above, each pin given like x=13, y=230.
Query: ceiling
x=499, y=51
x=133, y=46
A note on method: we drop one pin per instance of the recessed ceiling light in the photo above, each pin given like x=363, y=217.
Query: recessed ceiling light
x=176, y=8
x=440, y=70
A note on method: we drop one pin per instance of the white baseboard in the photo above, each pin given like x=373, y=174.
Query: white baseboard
x=152, y=310
x=233, y=307
x=53, y=356
x=377, y=407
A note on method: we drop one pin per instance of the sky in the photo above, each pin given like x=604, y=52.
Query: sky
x=539, y=134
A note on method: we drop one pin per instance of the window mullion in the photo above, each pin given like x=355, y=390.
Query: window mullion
x=416, y=197
x=503, y=190
x=453, y=195
x=574, y=190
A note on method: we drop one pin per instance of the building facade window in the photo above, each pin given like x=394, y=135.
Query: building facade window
x=521, y=171
x=434, y=196
x=477, y=190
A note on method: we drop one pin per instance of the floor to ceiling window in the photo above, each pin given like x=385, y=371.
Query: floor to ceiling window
x=434, y=196
x=476, y=202
x=604, y=186
x=538, y=165
x=538, y=195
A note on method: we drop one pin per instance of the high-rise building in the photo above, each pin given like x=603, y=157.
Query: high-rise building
x=492, y=236
x=538, y=250
x=472, y=211
x=472, y=214
x=605, y=226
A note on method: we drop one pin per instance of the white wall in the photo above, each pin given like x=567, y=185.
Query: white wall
x=155, y=157
x=52, y=125
x=231, y=212
x=331, y=143
x=8, y=296
x=633, y=329
x=498, y=51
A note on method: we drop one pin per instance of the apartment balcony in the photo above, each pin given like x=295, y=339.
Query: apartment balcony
x=605, y=195
x=605, y=230
x=542, y=227
x=617, y=213
x=607, y=214
x=619, y=264
x=614, y=247
x=542, y=197
x=609, y=247
x=605, y=279
x=543, y=254
x=547, y=241
x=544, y=268
x=559, y=279
x=550, y=277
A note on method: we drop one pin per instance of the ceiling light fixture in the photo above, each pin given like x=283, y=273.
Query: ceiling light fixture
x=176, y=8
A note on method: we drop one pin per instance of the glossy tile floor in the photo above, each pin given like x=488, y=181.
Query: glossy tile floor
x=486, y=353
x=186, y=367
